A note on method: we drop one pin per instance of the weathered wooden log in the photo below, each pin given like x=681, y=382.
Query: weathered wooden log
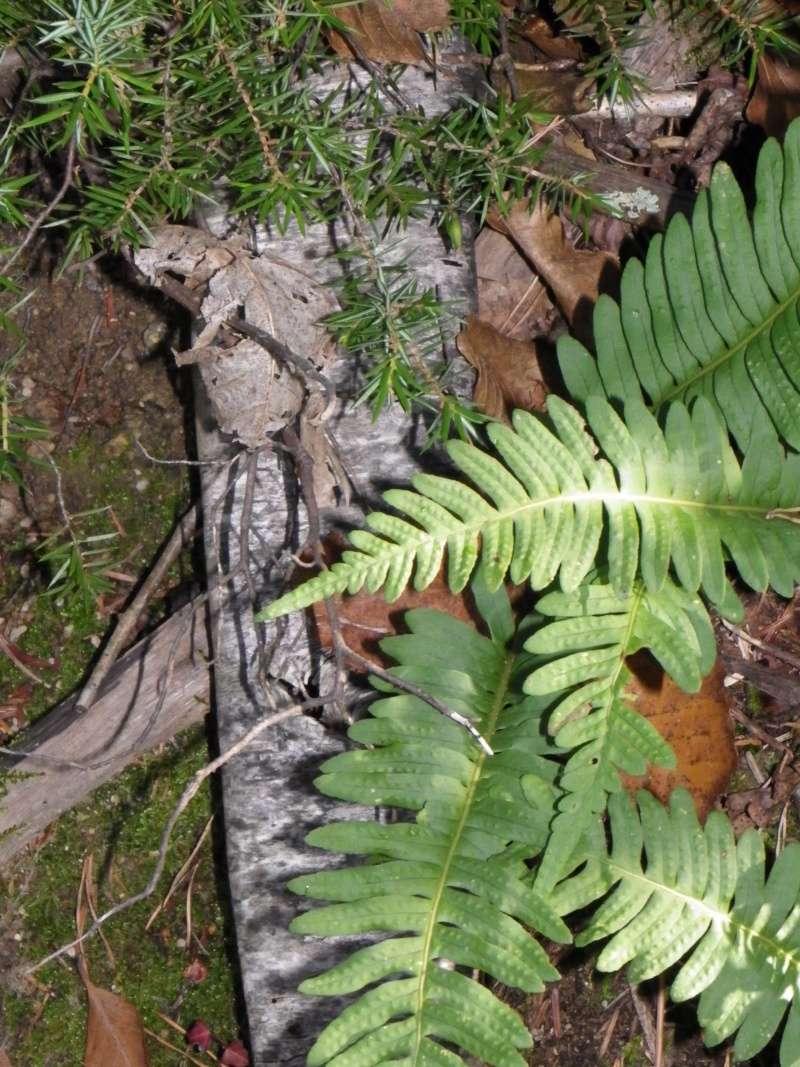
x=132, y=715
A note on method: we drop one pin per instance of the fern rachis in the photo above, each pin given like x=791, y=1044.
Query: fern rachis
x=679, y=496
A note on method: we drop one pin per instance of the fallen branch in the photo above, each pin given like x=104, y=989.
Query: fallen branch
x=184, y=801
x=121, y=724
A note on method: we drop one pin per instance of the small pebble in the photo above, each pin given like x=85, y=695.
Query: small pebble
x=141, y=485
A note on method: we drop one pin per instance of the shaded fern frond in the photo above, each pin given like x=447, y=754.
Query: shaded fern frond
x=698, y=891
x=588, y=644
x=713, y=311
x=450, y=886
x=678, y=497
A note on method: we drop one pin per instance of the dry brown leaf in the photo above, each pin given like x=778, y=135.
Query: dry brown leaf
x=389, y=32
x=114, y=1033
x=366, y=618
x=776, y=100
x=508, y=370
x=4, y=1060
x=559, y=92
x=536, y=30
x=574, y=276
x=697, y=727
x=511, y=297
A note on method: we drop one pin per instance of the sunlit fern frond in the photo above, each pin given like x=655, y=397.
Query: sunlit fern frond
x=586, y=675
x=713, y=310
x=700, y=893
x=547, y=504
x=451, y=885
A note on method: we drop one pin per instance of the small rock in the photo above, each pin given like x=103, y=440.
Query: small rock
x=141, y=485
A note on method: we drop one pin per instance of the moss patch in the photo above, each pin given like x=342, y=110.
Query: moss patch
x=121, y=829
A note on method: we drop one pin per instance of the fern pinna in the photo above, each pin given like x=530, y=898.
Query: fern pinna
x=674, y=496
x=713, y=311
x=451, y=885
x=625, y=511
x=698, y=892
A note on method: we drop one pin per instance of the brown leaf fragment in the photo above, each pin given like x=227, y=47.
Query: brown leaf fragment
x=550, y=89
x=508, y=370
x=574, y=276
x=511, y=297
x=697, y=727
x=423, y=17
x=536, y=30
x=365, y=619
x=4, y=1060
x=114, y=1033
x=776, y=99
x=379, y=31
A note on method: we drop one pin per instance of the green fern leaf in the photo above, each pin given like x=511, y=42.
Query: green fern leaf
x=702, y=893
x=586, y=650
x=713, y=311
x=451, y=885
x=676, y=498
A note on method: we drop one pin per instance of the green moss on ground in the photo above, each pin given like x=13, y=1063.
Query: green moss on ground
x=121, y=829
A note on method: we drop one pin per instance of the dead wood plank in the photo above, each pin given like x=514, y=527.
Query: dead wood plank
x=107, y=737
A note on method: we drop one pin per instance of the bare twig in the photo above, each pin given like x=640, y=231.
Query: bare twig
x=43, y=215
x=285, y=354
x=414, y=690
x=126, y=623
x=183, y=802
x=771, y=650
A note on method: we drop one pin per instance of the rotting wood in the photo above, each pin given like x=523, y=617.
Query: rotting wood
x=107, y=737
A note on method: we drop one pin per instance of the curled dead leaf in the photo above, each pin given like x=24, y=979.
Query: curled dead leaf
x=511, y=296
x=574, y=276
x=697, y=727
x=508, y=370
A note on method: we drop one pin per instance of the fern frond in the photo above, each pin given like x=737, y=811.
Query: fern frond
x=586, y=648
x=713, y=311
x=678, y=497
x=702, y=892
x=450, y=885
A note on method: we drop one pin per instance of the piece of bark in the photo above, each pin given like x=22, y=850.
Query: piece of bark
x=640, y=199
x=108, y=733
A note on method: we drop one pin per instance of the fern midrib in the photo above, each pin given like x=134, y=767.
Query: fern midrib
x=715, y=915
x=487, y=730
x=475, y=526
x=728, y=354
x=607, y=704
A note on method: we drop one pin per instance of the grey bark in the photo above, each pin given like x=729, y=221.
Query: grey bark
x=268, y=796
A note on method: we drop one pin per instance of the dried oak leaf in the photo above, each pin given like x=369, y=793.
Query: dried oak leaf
x=574, y=276
x=366, y=618
x=114, y=1032
x=508, y=370
x=776, y=99
x=536, y=30
x=388, y=32
x=511, y=296
x=697, y=727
